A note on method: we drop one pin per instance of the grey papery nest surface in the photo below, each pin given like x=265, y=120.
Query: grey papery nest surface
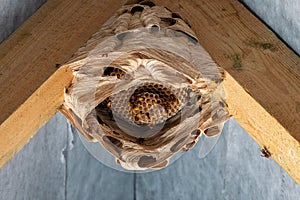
x=144, y=88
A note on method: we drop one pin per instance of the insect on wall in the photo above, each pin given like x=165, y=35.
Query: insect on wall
x=145, y=89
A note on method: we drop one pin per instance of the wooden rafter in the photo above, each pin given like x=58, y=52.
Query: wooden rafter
x=31, y=85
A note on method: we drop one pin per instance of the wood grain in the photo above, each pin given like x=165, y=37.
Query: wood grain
x=31, y=55
x=263, y=83
x=16, y=130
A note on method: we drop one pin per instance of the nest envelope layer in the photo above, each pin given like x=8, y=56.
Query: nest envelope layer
x=144, y=88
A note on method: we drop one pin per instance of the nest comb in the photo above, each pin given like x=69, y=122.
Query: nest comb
x=144, y=88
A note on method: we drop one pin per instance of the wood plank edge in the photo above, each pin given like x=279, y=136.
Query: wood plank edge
x=263, y=127
x=36, y=111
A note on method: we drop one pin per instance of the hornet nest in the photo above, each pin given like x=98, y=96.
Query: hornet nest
x=144, y=88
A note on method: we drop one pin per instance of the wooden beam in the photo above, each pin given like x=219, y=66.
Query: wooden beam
x=31, y=55
x=262, y=81
x=32, y=114
x=263, y=74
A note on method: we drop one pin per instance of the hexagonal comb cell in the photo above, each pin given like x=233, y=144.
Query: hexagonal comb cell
x=113, y=71
x=148, y=104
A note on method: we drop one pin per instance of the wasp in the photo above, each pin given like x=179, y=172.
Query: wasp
x=265, y=152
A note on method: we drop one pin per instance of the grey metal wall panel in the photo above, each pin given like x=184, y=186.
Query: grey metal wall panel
x=38, y=171
x=88, y=179
x=14, y=12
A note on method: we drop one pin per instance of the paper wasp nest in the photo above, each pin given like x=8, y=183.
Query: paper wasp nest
x=144, y=88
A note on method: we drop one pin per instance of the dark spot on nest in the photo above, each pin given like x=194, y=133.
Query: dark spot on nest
x=148, y=115
x=99, y=120
x=176, y=15
x=190, y=145
x=198, y=97
x=148, y=3
x=104, y=112
x=212, y=131
x=189, y=80
x=188, y=24
x=195, y=133
x=154, y=28
x=121, y=36
x=116, y=133
x=108, y=71
x=141, y=140
x=223, y=104
x=114, y=143
x=169, y=21
x=146, y=161
x=168, y=9
x=136, y=9
x=177, y=146
x=113, y=71
x=191, y=38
